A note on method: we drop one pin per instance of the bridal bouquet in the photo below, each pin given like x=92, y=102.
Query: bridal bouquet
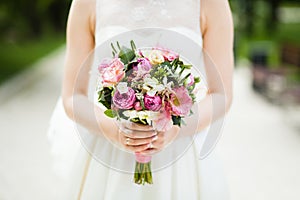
x=150, y=86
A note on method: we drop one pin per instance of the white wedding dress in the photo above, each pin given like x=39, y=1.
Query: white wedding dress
x=108, y=175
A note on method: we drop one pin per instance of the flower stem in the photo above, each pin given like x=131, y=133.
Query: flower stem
x=142, y=174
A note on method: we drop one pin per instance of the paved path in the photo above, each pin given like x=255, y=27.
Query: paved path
x=260, y=147
x=25, y=161
x=260, y=150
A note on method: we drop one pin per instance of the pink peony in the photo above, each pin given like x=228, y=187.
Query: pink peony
x=152, y=102
x=181, y=102
x=113, y=73
x=137, y=106
x=124, y=101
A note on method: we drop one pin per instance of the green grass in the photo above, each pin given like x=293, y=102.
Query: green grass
x=15, y=57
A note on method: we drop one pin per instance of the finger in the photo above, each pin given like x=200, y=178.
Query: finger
x=138, y=148
x=137, y=127
x=137, y=134
x=155, y=147
x=150, y=151
x=137, y=142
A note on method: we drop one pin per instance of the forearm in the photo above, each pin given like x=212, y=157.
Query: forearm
x=213, y=107
x=84, y=112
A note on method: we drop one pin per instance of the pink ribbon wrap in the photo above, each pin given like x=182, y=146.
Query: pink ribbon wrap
x=142, y=158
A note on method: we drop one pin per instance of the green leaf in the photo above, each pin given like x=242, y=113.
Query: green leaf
x=185, y=78
x=105, y=103
x=166, y=63
x=142, y=103
x=187, y=66
x=113, y=48
x=129, y=67
x=126, y=55
x=110, y=113
x=118, y=44
x=191, y=112
x=176, y=120
x=133, y=47
x=197, y=79
x=105, y=97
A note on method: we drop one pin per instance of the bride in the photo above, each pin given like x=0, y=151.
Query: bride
x=90, y=23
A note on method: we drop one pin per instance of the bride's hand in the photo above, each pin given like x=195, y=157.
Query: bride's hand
x=135, y=137
x=163, y=139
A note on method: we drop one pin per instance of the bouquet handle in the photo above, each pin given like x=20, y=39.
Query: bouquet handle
x=142, y=172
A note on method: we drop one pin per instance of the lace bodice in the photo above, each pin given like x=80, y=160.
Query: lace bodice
x=116, y=16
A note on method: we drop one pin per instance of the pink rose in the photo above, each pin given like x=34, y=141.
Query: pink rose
x=124, y=101
x=142, y=68
x=137, y=106
x=181, y=102
x=104, y=64
x=152, y=102
x=113, y=73
x=168, y=55
x=144, y=64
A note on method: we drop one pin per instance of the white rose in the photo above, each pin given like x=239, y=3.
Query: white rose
x=156, y=57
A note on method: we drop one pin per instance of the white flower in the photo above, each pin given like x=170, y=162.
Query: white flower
x=131, y=114
x=152, y=115
x=122, y=87
x=152, y=86
x=167, y=85
x=142, y=115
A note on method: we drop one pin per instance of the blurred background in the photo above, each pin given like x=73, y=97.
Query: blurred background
x=268, y=40
x=260, y=146
x=29, y=30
